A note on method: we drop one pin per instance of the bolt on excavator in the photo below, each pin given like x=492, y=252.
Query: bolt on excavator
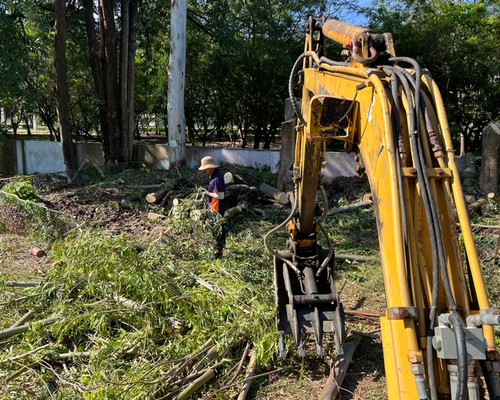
x=437, y=333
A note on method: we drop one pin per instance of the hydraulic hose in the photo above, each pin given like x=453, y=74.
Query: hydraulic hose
x=489, y=382
x=434, y=218
x=332, y=62
x=290, y=81
x=435, y=260
x=423, y=105
x=330, y=251
x=458, y=329
x=290, y=88
x=325, y=202
x=418, y=80
x=268, y=235
x=459, y=326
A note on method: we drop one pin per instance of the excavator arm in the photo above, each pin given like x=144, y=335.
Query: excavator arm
x=437, y=331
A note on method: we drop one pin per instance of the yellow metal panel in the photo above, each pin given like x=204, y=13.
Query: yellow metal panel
x=400, y=380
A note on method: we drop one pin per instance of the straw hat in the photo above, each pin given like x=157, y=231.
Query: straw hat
x=207, y=162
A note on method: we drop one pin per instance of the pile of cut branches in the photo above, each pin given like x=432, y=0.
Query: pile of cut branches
x=117, y=318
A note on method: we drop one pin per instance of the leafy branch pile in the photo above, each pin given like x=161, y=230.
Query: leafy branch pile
x=131, y=319
x=22, y=209
x=486, y=230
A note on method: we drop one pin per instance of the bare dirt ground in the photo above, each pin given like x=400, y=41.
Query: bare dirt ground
x=16, y=260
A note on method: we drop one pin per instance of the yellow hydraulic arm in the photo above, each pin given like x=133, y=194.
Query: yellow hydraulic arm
x=437, y=331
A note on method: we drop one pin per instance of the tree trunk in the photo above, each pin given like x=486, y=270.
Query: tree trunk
x=124, y=64
x=97, y=73
x=257, y=136
x=28, y=127
x=113, y=153
x=132, y=48
x=62, y=91
x=287, y=152
x=490, y=165
x=176, y=79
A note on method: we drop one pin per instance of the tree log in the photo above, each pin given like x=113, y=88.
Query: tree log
x=196, y=385
x=156, y=197
x=24, y=328
x=21, y=284
x=361, y=204
x=240, y=365
x=74, y=178
x=234, y=211
x=240, y=193
x=155, y=216
x=479, y=205
x=21, y=321
x=276, y=194
x=252, y=365
x=492, y=196
x=354, y=257
x=469, y=199
x=165, y=198
x=125, y=302
x=339, y=371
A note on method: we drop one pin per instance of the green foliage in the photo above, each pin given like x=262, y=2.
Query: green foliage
x=455, y=41
x=163, y=297
x=23, y=189
x=26, y=214
x=487, y=242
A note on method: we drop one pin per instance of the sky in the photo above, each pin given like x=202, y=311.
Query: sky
x=357, y=19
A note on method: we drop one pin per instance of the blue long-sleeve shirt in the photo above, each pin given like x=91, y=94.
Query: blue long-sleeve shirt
x=217, y=185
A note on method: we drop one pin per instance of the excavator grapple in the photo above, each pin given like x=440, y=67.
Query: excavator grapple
x=307, y=303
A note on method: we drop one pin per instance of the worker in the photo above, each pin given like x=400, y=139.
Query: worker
x=216, y=202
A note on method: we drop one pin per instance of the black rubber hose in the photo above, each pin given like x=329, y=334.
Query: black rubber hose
x=435, y=220
x=458, y=329
x=290, y=88
x=423, y=104
x=489, y=382
x=397, y=133
x=418, y=73
x=333, y=62
x=435, y=261
x=458, y=325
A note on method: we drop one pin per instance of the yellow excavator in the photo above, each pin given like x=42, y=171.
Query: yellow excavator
x=438, y=329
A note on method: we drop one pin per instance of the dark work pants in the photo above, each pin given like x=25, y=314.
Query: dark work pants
x=219, y=232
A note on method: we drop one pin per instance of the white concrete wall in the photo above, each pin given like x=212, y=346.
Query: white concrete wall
x=243, y=157
x=339, y=164
x=42, y=157
x=46, y=157
x=89, y=151
x=155, y=156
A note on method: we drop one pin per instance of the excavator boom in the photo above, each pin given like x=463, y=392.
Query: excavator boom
x=437, y=331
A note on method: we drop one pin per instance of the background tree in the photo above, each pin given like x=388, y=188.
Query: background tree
x=112, y=59
x=14, y=67
x=456, y=41
x=61, y=80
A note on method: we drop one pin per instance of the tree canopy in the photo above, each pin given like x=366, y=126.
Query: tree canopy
x=239, y=56
x=456, y=42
